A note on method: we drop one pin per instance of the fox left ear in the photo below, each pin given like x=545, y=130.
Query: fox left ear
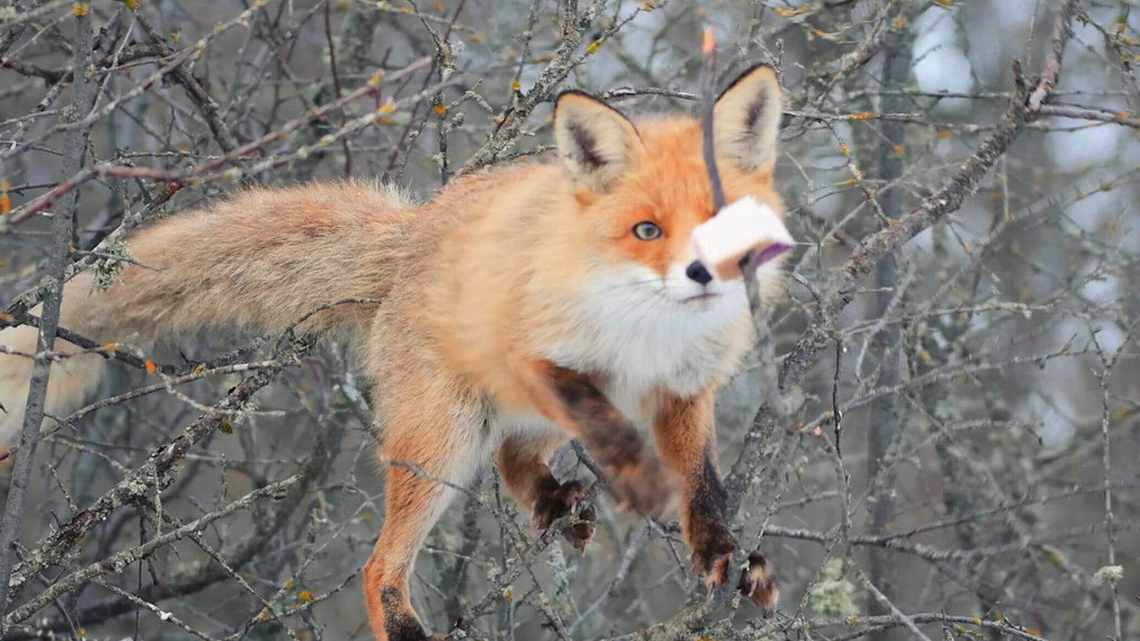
x=746, y=119
x=595, y=141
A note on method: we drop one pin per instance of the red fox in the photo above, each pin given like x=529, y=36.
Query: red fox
x=524, y=306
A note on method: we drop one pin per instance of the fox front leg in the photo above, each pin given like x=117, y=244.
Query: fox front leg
x=522, y=462
x=574, y=401
x=685, y=437
x=684, y=434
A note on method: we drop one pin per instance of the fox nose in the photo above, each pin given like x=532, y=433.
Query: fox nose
x=697, y=273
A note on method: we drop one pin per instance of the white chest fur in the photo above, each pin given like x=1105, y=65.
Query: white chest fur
x=629, y=327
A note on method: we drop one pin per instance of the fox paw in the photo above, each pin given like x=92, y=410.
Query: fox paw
x=758, y=583
x=713, y=546
x=560, y=501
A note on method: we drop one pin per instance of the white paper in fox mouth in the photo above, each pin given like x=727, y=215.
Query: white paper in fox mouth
x=746, y=225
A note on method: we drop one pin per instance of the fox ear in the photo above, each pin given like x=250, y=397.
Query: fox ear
x=595, y=141
x=746, y=119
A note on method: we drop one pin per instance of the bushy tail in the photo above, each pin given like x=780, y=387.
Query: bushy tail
x=260, y=261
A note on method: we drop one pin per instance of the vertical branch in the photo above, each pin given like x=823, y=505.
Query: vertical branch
x=356, y=32
x=456, y=575
x=445, y=63
x=883, y=428
x=708, y=151
x=1109, y=518
x=708, y=106
x=1106, y=458
x=84, y=91
x=336, y=83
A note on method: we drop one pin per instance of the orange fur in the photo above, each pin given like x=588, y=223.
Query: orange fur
x=516, y=310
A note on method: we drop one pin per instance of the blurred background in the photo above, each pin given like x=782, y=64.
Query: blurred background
x=981, y=478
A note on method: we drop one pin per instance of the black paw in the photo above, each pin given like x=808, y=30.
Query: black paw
x=561, y=500
x=758, y=583
x=713, y=546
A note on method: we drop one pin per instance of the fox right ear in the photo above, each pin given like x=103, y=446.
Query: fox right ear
x=746, y=120
x=595, y=141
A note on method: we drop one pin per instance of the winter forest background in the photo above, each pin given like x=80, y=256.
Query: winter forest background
x=964, y=302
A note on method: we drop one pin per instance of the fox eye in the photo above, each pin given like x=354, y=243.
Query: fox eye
x=646, y=230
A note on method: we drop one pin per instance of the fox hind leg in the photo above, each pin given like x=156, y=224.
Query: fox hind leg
x=426, y=460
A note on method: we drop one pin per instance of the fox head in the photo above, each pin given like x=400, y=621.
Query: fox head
x=641, y=188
